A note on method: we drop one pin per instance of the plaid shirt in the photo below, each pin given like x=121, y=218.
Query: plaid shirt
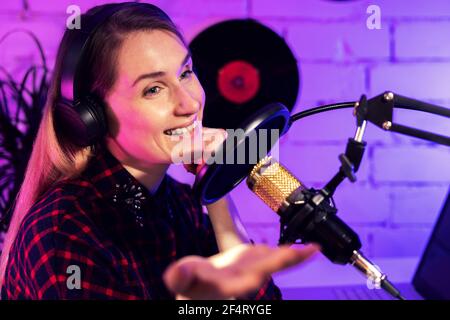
x=103, y=236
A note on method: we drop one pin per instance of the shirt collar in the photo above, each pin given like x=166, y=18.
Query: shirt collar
x=117, y=185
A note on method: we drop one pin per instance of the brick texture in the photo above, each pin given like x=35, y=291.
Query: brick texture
x=402, y=181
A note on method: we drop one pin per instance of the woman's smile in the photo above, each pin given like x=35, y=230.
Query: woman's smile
x=181, y=130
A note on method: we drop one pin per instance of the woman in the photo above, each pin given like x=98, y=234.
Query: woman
x=105, y=221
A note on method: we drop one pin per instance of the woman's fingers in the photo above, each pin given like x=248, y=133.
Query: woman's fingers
x=283, y=258
x=261, y=259
x=181, y=275
x=211, y=139
x=194, y=278
x=234, y=272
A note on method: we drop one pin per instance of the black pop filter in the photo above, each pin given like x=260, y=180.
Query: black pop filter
x=240, y=152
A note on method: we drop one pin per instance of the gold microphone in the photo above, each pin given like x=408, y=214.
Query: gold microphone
x=307, y=217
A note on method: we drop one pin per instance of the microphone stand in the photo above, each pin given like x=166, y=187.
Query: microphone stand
x=379, y=111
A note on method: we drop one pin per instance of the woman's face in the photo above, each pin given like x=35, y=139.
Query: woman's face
x=155, y=92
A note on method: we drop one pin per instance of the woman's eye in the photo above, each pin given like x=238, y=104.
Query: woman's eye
x=186, y=74
x=152, y=91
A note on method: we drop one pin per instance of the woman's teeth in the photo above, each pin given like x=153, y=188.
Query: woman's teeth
x=181, y=131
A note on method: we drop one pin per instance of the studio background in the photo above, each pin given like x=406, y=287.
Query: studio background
x=402, y=181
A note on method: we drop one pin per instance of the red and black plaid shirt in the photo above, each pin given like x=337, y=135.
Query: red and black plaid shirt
x=105, y=227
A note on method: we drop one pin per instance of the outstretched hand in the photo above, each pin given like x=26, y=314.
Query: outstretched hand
x=232, y=273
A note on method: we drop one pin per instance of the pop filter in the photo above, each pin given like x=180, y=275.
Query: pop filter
x=240, y=152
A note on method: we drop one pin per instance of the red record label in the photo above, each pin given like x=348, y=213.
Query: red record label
x=238, y=81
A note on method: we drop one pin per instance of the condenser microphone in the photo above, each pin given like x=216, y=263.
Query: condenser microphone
x=306, y=216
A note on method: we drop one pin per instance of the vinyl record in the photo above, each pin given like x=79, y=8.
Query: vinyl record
x=243, y=66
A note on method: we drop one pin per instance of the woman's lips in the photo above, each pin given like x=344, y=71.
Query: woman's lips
x=183, y=130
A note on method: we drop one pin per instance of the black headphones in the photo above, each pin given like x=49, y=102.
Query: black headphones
x=79, y=114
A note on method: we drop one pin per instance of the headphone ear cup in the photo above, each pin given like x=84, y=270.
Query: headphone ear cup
x=92, y=113
x=83, y=123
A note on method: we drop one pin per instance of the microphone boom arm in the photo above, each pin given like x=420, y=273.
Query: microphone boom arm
x=379, y=111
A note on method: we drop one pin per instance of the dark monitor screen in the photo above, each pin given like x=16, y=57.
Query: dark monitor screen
x=432, y=277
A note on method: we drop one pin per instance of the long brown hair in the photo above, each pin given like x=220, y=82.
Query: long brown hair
x=54, y=158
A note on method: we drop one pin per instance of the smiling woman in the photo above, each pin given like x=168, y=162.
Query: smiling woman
x=147, y=108
x=96, y=197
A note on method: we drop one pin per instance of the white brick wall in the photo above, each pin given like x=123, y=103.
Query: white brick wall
x=345, y=41
x=430, y=40
x=394, y=203
x=393, y=242
x=357, y=206
x=18, y=51
x=316, y=10
x=414, y=10
x=422, y=81
x=319, y=81
x=391, y=165
x=412, y=205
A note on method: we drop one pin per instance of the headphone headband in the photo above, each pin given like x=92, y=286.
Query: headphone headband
x=73, y=73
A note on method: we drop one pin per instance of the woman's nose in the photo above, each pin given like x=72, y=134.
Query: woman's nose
x=186, y=103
